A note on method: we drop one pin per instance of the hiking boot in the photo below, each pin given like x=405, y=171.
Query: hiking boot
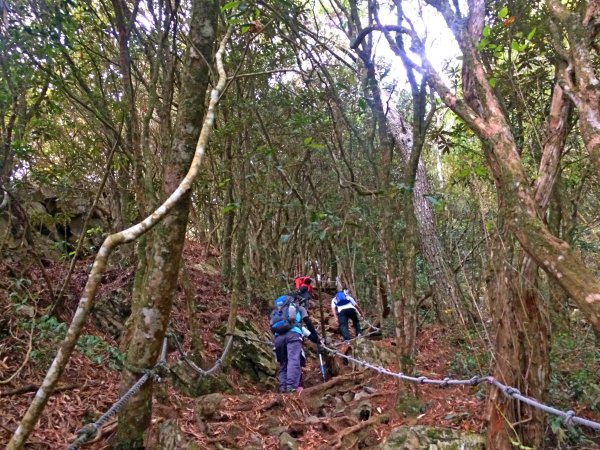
x=298, y=390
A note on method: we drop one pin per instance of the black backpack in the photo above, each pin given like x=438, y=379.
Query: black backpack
x=302, y=296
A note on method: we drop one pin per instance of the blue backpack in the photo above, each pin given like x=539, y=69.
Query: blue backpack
x=285, y=315
x=341, y=299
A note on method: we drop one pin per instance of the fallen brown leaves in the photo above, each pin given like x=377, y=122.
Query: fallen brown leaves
x=88, y=389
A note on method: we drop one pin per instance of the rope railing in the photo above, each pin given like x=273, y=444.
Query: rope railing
x=569, y=417
x=194, y=366
x=88, y=432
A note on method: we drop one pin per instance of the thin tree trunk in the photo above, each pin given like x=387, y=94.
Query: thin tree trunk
x=445, y=287
x=191, y=305
x=228, y=219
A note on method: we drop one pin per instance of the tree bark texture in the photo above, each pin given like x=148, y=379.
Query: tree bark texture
x=553, y=255
x=445, y=287
x=151, y=310
x=579, y=78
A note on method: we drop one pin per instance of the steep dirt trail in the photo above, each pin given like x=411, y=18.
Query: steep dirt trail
x=357, y=405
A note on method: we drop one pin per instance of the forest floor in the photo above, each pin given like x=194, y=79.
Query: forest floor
x=90, y=384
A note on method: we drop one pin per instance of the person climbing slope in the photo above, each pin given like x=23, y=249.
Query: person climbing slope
x=286, y=325
x=344, y=307
x=304, y=289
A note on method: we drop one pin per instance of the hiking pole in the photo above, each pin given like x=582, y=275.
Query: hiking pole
x=321, y=360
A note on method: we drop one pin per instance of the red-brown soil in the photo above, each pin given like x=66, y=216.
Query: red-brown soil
x=89, y=389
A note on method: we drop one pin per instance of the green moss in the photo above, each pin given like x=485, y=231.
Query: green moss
x=409, y=405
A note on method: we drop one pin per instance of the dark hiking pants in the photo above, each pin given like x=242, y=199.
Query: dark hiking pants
x=288, y=350
x=343, y=317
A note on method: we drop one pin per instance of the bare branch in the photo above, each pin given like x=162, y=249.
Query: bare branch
x=365, y=31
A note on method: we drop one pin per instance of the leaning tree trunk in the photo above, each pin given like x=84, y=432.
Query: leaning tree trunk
x=553, y=255
x=151, y=310
x=445, y=287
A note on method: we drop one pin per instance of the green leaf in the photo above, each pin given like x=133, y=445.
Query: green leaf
x=322, y=235
x=493, y=82
x=487, y=30
x=515, y=46
x=245, y=28
x=503, y=12
x=482, y=44
x=229, y=5
x=481, y=171
x=362, y=104
x=308, y=140
x=229, y=208
x=531, y=33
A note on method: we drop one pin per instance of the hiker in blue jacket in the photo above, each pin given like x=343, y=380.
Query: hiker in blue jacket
x=345, y=307
x=286, y=325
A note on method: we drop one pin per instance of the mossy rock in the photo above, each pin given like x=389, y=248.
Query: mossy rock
x=251, y=356
x=368, y=350
x=431, y=438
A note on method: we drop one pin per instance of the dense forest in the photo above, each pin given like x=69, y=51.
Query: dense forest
x=167, y=167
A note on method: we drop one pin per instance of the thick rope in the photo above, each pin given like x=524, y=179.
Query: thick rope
x=88, y=432
x=194, y=366
x=569, y=417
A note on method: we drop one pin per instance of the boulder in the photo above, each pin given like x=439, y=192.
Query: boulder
x=169, y=436
x=110, y=313
x=208, y=406
x=431, y=438
x=370, y=351
x=251, y=356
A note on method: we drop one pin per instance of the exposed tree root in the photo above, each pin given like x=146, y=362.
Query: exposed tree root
x=333, y=382
x=355, y=429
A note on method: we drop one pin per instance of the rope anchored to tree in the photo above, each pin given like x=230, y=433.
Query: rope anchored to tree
x=569, y=417
x=88, y=432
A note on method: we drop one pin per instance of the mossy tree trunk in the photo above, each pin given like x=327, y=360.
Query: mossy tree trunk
x=156, y=287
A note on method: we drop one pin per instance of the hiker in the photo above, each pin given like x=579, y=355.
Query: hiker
x=345, y=307
x=286, y=325
x=304, y=289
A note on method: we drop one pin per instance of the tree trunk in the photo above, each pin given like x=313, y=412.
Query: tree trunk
x=152, y=306
x=502, y=411
x=445, y=287
x=552, y=254
x=228, y=220
x=579, y=79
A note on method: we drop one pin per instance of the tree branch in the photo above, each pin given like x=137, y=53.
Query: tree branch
x=110, y=243
x=365, y=31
